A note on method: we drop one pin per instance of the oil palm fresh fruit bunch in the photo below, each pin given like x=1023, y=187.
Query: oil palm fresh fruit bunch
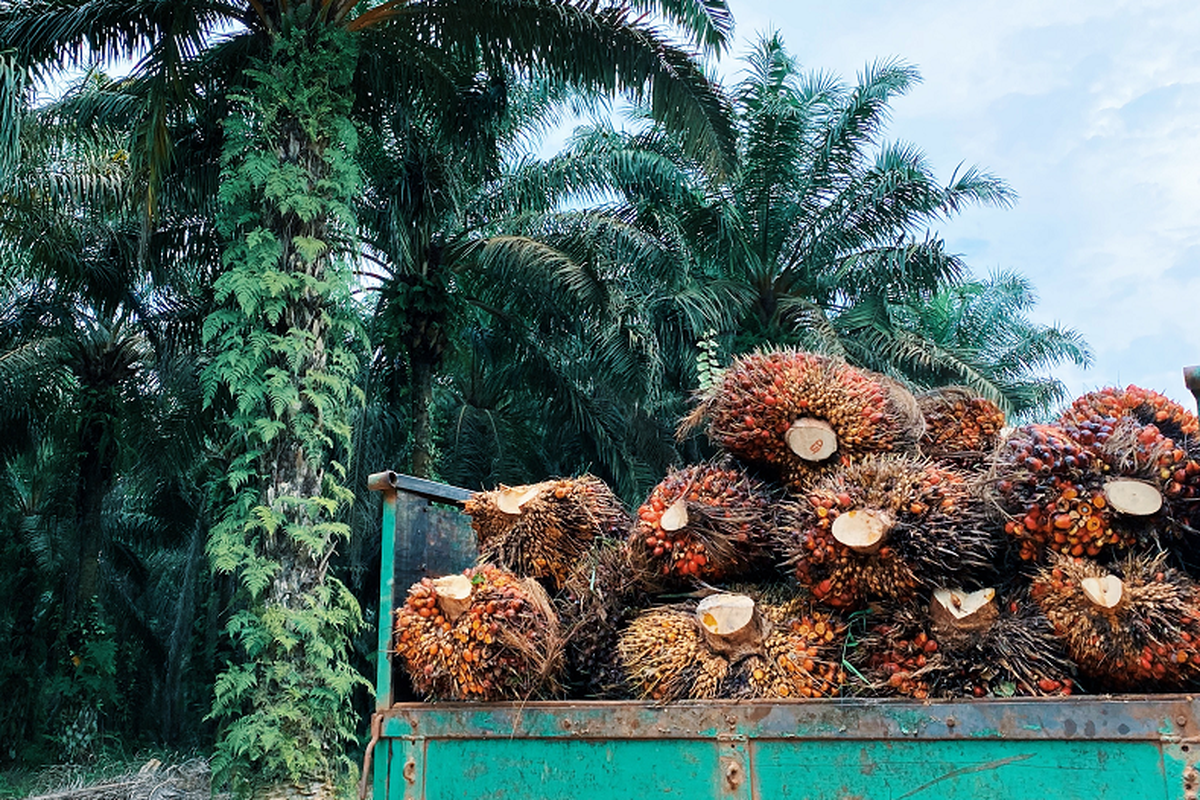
x=1134, y=625
x=794, y=413
x=884, y=527
x=800, y=656
x=600, y=597
x=960, y=426
x=664, y=656
x=543, y=529
x=707, y=521
x=1143, y=435
x=1051, y=487
x=964, y=644
x=1087, y=484
x=485, y=634
x=730, y=645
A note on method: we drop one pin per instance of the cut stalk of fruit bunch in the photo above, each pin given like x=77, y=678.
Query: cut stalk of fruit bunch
x=959, y=610
x=453, y=594
x=730, y=623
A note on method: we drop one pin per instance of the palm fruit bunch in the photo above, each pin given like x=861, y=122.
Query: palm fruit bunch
x=960, y=426
x=1142, y=435
x=793, y=412
x=1051, y=486
x=707, y=521
x=894, y=654
x=664, y=656
x=883, y=527
x=483, y=635
x=542, y=530
x=598, y=600
x=801, y=656
x=965, y=644
x=1144, y=405
x=1132, y=626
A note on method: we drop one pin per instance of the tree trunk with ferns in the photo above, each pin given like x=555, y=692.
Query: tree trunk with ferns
x=282, y=344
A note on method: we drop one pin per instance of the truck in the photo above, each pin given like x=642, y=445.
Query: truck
x=1089, y=747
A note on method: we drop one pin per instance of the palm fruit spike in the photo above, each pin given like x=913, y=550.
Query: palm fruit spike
x=801, y=656
x=1081, y=486
x=665, y=657
x=599, y=598
x=542, y=530
x=967, y=644
x=1142, y=434
x=705, y=521
x=1135, y=626
x=483, y=635
x=1051, y=487
x=792, y=411
x=960, y=426
x=884, y=527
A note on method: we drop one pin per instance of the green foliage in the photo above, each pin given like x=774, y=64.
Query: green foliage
x=821, y=238
x=284, y=365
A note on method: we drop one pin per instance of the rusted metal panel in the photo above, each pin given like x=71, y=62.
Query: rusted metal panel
x=1085, y=747
x=430, y=541
x=1155, y=719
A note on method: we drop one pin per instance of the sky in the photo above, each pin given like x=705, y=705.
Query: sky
x=1090, y=110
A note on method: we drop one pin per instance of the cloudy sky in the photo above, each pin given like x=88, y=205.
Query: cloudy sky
x=1090, y=109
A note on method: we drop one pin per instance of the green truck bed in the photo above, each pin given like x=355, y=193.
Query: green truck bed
x=1132, y=748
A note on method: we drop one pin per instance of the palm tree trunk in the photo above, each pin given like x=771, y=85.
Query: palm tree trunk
x=290, y=372
x=422, y=418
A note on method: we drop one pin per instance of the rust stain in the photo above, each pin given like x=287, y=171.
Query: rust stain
x=865, y=764
x=954, y=773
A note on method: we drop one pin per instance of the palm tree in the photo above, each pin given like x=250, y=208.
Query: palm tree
x=533, y=316
x=101, y=415
x=978, y=332
x=284, y=360
x=820, y=236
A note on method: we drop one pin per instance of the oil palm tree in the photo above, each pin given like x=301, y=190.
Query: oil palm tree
x=978, y=332
x=101, y=412
x=481, y=276
x=821, y=235
x=284, y=361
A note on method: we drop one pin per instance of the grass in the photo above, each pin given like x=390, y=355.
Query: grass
x=19, y=782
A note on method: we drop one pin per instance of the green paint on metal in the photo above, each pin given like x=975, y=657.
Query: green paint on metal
x=560, y=769
x=989, y=733
x=942, y=769
x=387, y=590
